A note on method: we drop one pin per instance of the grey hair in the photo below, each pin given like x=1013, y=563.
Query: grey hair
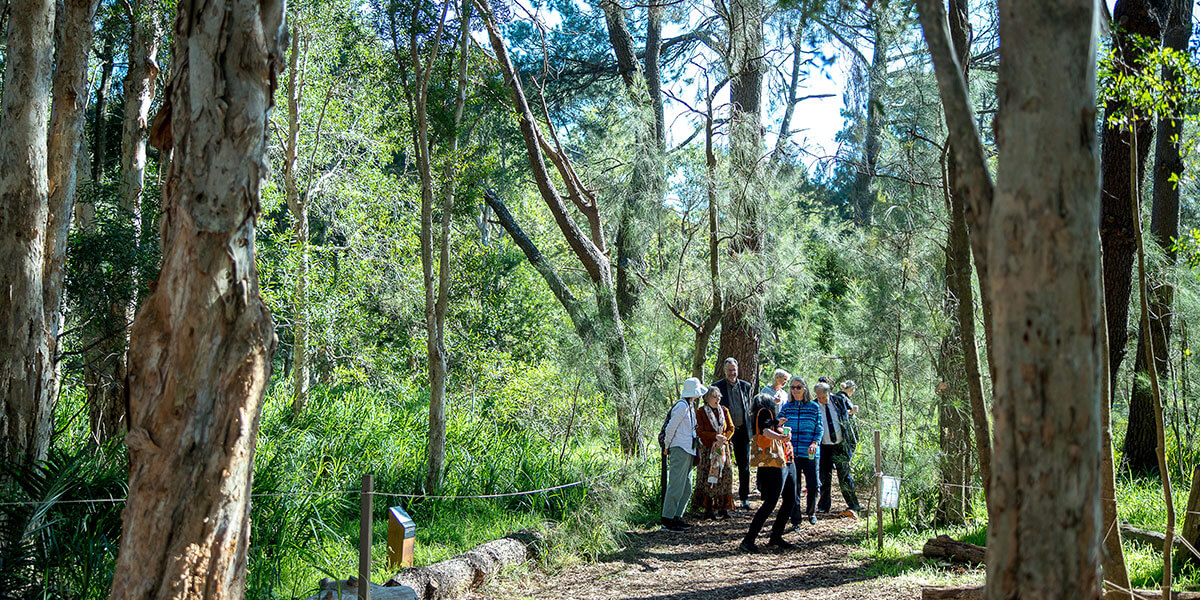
x=822, y=386
x=849, y=385
x=781, y=373
x=804, y=383
x=731, y=361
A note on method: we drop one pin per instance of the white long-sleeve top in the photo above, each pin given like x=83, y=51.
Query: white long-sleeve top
x=681, y=427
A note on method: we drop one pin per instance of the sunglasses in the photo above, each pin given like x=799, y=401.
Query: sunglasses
x=797, y=387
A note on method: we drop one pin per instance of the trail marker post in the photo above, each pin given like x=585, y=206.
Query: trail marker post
x=878, y=492
x=364, y=536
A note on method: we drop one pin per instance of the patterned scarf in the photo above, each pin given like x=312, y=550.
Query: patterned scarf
x=718, y=458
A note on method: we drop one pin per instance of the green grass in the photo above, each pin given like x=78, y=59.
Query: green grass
x=1139, y=502
x=507, y=437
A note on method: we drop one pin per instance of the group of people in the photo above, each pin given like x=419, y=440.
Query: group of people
x=783, y=431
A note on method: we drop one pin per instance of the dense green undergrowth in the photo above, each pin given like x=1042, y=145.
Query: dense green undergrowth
x=1139, y=503
x=305, y=505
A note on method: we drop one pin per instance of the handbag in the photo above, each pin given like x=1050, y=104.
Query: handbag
x=766, y=452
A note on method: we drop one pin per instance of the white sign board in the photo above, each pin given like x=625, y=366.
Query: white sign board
x=890, y=496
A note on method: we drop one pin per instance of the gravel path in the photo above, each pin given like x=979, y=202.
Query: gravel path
x=704, y=564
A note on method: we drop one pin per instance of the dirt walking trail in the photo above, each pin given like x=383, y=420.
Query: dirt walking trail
x=704, y=564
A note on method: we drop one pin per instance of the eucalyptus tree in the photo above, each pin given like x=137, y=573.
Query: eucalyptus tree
x=201, y=344
x=1038, y=227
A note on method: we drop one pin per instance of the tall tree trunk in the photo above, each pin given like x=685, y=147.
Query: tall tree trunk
x=864, y=196
x=653, y=71
x=201, y=344
x=614, y=370
x=107, y=407
x=959, y=279
x=24, y=199
x=73, y=42
x=299, y=211
x=717, y=307
x=740, y=332
x=1045, y=518
x=1130, y=17
x=643, y=189
x=100, y=116
x=1141, y=434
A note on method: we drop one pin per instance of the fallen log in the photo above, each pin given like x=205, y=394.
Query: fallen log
x=447, y=579
x=947, y=548
x=347, y=589
x=976, y=593
x=452, y=577
x=1152, y=538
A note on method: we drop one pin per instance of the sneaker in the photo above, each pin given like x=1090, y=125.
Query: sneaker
x=748, y=547
x=681, y=525
x=792, y=528
x=745, y=505
x=667, y=524
x=848, y=514
x=721, y=516
x=812, y=519
x=782, y=545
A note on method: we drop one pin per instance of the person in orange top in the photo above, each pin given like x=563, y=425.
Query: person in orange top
x=714, y=477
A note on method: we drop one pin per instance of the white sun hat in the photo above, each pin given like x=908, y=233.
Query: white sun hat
x=692, y=388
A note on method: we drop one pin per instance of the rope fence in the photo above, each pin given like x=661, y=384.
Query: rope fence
x=572, y=484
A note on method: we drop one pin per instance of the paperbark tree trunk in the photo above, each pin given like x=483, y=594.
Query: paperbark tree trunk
x=201, y=344
x=24, y=199
x=107, y=409
x=1045, y=520
x=73, y=42
x=1141, y=431
x=740, y=332
x=1130, y=17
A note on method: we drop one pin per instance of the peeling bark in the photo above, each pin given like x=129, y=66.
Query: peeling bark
x=73, y=42
x=201, y=344
x=24, y=199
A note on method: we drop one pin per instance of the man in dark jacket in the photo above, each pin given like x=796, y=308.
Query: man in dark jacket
x=736, y=395
x=837, y=448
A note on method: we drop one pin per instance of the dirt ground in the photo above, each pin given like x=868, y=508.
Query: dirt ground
x=704, y=564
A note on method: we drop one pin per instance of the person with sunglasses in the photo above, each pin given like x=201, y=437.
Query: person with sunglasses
x=804, y=418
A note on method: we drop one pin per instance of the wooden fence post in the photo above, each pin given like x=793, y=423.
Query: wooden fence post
x=366, y=498
x=879, y=491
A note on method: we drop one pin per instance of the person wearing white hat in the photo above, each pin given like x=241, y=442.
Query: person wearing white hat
x=679, y=435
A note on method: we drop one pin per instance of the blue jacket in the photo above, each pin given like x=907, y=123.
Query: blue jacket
x=805, y=420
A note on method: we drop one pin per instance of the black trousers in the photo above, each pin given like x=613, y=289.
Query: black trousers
x=807, y=466
x=836, y=455
x=741, y=455
x=773, y=483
